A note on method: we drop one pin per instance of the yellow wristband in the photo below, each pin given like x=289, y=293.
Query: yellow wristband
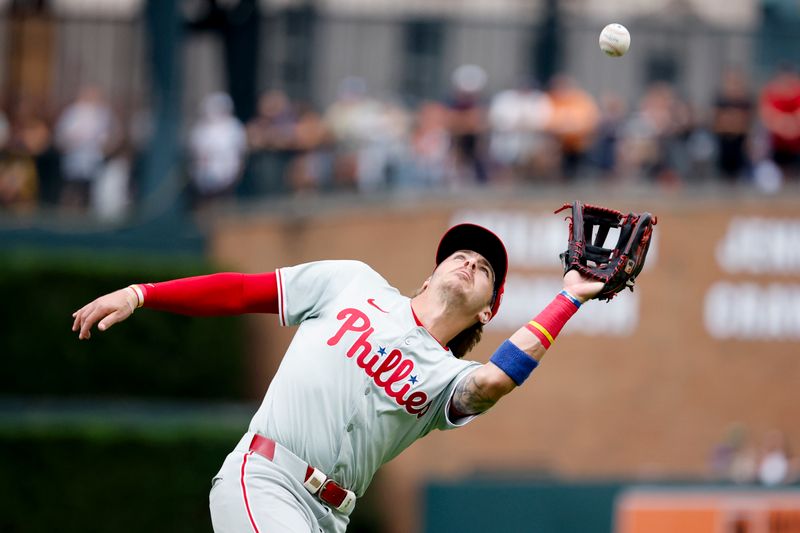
x=544, y=331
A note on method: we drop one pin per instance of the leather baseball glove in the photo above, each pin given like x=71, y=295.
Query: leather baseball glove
x=617, y=267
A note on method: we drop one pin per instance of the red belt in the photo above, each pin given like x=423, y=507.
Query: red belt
x=315, y=481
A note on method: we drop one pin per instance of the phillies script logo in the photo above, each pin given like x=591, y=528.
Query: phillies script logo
x=392, y=370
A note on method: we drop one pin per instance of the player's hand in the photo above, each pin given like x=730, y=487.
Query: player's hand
x=581, y=287
x=108, y=310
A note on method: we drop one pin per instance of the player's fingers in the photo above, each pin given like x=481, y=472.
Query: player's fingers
x=117, y=316
x=89, y=321
x=79, y=316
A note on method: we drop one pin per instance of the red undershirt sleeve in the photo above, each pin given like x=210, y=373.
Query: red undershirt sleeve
x=226, y=293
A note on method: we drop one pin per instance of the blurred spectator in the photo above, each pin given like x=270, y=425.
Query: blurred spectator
x=518, y=118
x=468, y=124
x=270, y=138
x=217, y=145
x=776, y=465
x=18, y=183
x=767, y=176
x=733, y=117
x=347, y=120
x=311, y=166
x=697, y=145
x=367, y=134
x=779, y=108
x=110, y=193
x=574, y=122
x=639, y=145
x=85, y=132
x=273, y=126
x=655, y=137
x=609, y=131
x=379, y=156
x=32, y=137
x=427, y=162
x=735, y=458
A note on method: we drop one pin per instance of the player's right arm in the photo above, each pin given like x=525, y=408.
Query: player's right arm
x=295, y=293
x=226, y=293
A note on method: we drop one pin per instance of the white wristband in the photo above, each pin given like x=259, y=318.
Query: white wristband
x=139, y=295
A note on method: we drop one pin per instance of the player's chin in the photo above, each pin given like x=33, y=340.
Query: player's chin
x=464, y=282
x=468, y=297
x=455, y=290
x=460, y=284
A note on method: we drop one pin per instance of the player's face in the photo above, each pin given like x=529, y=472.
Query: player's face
x=465, y=278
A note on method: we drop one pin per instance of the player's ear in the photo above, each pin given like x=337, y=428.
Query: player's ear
x=425, y=285
x=485, y=316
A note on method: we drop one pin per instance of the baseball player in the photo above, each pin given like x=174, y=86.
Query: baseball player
x=368, y=372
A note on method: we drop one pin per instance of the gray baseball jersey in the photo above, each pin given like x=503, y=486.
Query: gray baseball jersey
x=361, y=381
x=362, y=378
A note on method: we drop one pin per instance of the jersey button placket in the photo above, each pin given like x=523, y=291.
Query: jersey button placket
x=411, y=336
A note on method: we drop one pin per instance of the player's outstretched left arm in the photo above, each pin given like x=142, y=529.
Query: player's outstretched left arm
x=521, y=353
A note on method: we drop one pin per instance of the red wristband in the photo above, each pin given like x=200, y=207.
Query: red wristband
x=548, y=324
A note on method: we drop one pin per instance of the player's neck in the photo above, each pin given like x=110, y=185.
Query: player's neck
x=441, y=320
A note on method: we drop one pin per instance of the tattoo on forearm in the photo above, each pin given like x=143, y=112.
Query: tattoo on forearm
x=471, y=398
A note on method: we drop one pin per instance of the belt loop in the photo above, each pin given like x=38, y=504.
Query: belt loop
x=263, y=446
x=314, y=479
x=341, y=499
x=349, y=502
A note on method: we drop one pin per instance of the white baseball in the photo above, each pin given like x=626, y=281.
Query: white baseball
x=615, y=40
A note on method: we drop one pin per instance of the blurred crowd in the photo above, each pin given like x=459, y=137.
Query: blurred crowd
x=742, y=458
x=82, y=159
x=76, y=161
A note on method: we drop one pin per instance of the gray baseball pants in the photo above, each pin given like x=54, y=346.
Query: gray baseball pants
x=251, y=494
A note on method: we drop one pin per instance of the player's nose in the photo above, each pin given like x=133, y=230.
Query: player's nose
x=471, y=266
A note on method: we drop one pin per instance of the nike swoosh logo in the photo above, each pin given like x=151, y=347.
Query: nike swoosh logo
x=371, y=302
